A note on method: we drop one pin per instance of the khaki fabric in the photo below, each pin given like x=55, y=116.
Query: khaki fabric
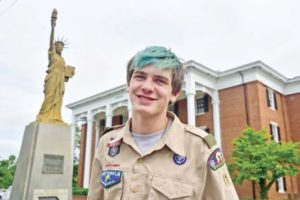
x=156, y=175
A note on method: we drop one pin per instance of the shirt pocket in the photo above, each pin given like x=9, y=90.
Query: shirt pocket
x=168, y=189
x=112, y=183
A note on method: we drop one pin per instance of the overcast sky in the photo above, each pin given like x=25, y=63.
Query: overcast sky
x=103, y=35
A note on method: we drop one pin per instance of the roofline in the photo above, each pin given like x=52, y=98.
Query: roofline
x=193, y=64
x=96, y=96
x=256, y=64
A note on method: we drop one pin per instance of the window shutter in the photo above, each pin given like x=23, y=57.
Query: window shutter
x=275, y=102
x=278, y=131
x=268, y=98
x=277, y=186
x=271, y=131
x=207, y=130
x=176, y=108
x=205, y=103
x=121, y=119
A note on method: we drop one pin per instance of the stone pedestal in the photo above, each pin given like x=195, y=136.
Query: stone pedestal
x=45, y=164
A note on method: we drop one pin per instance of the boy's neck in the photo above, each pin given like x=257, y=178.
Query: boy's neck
x=146, y=125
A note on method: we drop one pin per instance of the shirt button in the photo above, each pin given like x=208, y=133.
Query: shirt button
x=135, y=189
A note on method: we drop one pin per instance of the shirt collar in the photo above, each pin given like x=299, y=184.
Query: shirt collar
x=173, y=137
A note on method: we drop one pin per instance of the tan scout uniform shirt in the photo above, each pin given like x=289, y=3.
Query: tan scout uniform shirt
x=179, y=166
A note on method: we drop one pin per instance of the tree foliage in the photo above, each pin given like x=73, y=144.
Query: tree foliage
x=7, y=171
x=76, y=156
x=256, y=157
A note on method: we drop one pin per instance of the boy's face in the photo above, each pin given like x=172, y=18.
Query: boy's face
x=150, y=91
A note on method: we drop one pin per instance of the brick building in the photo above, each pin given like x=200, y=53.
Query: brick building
x=222, y=103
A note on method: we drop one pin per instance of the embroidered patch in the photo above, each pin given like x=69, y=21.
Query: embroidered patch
x=178, y=159
x=117, y=143
x=110, y=177
x=113, y=151
x=112, y=165
x=114, y=148
x=216, y=159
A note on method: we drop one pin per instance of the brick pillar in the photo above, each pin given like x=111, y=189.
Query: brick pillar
x=93, y=145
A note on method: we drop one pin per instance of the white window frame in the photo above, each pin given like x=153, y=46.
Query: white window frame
x=124, y=119
x=274, y=131
x=271, y=96
x=202, y=111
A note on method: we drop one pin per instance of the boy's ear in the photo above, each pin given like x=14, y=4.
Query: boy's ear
x=174, y=97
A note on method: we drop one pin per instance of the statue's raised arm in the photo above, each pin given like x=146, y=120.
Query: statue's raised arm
x=53, y=23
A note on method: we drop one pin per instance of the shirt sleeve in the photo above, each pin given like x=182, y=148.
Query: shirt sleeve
x=218, y=183
x=95, y=188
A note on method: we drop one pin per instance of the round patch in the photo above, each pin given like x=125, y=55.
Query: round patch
x=178, y=159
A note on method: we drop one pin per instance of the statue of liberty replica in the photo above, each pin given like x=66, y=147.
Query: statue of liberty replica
x=45, y=163
x=57, y=74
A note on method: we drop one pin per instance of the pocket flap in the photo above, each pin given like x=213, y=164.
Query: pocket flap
x=172, y=189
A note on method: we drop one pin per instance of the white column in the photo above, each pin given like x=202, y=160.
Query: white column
x=191, y=108
x=97, y=134
x=216, y=117
x=88, y=149
x=190, y=93
x=109, y=116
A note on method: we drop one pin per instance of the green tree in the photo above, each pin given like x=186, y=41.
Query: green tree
x=76, y=156
x=256, y=157
x=7, y=171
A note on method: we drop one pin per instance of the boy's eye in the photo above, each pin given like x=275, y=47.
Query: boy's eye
x=160, y=81
x=139, y=77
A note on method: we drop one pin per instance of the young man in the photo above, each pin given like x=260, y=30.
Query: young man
x=154, y=156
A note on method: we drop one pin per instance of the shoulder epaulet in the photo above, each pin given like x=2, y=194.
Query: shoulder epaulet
x=208, y=138
x=108, y=129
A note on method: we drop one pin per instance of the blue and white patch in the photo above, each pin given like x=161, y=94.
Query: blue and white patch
x=216, y=159
x=110, y=177
x=178, y=159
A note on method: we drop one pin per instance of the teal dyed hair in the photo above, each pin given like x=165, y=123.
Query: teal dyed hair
x=161, y=58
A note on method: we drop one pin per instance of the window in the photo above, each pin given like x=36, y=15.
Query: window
x=124, y=119
x=202, y=104
x=271, y=98
x=275, y=131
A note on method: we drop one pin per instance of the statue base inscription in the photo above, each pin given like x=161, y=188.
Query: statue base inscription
x=44, y=167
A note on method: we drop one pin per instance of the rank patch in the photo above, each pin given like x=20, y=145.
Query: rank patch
x=110, y=177
x=113, y=151
x=114, y=148
x=178, y=159
x=216, y=159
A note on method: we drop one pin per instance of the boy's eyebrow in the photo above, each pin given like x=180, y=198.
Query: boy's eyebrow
x=156, y=76
x=162, y=77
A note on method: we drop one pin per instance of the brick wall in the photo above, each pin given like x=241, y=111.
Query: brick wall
x=293, y=107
